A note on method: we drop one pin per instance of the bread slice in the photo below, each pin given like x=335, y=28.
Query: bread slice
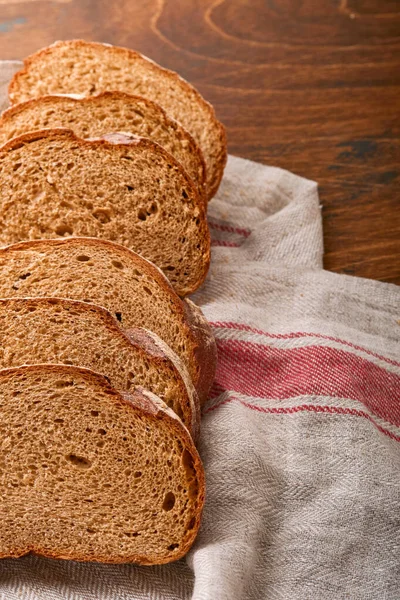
x=108, y=112
x=90, y=474
x=54, y=330
x=127, y=285
x=128, y=190
x=88, y=68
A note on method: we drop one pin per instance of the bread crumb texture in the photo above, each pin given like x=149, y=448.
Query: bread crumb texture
x=53, y=330
x=95, y=116
x=88, y=474
x=57, y=185
x=106, y=274
x=89, y=68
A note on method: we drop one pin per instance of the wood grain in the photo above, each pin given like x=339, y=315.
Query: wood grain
x=311, y=86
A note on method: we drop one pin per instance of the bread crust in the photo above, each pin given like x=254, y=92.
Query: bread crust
x=132, y=54
x=144, y=342
x=139, y=401
x=201, y=348
x=157, y=347
x=193, y=148
x=128, y=140
x=206, y=350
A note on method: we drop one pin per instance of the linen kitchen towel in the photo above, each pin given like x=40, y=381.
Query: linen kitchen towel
x=301, y=435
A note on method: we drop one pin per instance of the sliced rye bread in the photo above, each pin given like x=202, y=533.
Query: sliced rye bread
x=130, y=287
x=125, y=189
x=59, y=331
x=108, y=112
x=91, y=474
x=80, y=67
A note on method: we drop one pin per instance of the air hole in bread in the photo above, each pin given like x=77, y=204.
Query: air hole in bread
x=119, y=316
x=173, y=546
x=63, y=230
x=16, y=166
x=169, y=501
x=187, y=463
x=137, y=474
x=130, y=188
x=65, y=204
x=102, y=214
x=102, y=431
x=83, y=258
x=118, y=264
x=142, y=215
x=63, y=384
x=80, y=462
x=94, y=413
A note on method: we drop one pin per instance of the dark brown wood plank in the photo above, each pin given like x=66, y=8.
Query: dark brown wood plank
x=311, y=86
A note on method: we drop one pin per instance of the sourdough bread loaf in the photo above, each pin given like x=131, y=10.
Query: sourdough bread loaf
x=130, y=287
x=108, y=112
x=59, y=331
x=88, y=68
x=91, y=474
x=125, y=189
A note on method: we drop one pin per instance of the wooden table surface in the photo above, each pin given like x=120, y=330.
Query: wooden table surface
x=312, y=86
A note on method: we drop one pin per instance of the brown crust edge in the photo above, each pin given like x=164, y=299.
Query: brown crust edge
x=219, y=165
x=142, y=342
x=138, y=401
x=61, y=132
x=138, y=260
x=206, y=351
x=182, y=133
x=156, y=346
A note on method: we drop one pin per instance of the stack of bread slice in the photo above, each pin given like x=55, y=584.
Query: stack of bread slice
x=107, y=163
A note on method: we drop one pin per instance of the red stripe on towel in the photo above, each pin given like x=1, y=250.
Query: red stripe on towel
x=225, y=244
x=299, y=334
x=229, y=229
x=265, y=372
x=306, y=408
